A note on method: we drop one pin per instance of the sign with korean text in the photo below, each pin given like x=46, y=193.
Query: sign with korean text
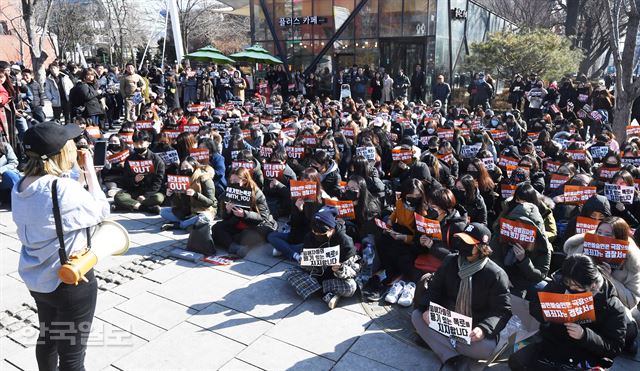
x=598, y=152
x=127, y=137
x=607, y=173
x=249, y=165
x=118, y=157
x=189, y=128
x=428, y=227
x=265, y=152
x=564, y=308
x=503, y=161
x=94, y=132
x=240, y=197
x=141, y=167
x=507, y=190
x=447, y=158
x=200, y=154
x=445, y=134
x=633, y=131
x=295, y=152
x=367, y=152
x=489, y=163
x=144, y=125
x=303, y=189
x=273, y=170
x=449, y=323
x=515, y=231
x=619, y=193
x=578, y=194
x=399, y=154
x=552, y=166
x=635, y=161
x=605, y=249
x=345, y=208
x=320, y=257
x=498, y=135
x=172, y=134
x=557, y=181
x=178, y=183
x=470, y=151
x=169, y=157
x=348, y=132
x=577, y=154
x=585, y=224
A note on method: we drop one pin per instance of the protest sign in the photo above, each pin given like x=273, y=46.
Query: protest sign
x=393, y=137
x=240, y=197
x=619, y=193
x=514, y=231
x=447, y=158
x=399, y=154
x=577, y=154
x=498, y=135
x=552, y=166
x=428, y=227
x=564, y=308
x=127, y=138
x=470, y=151
x=249, y=165
x=273, y=170
x=449, y=323
x=169, y=157
x=557, y=181
x=303, y=189
x=635, y=161
x=489, y=163
x=93, y=131
x=605, y=249
x=465, y=132
x=234, y=154
x=533, y=136
x=348, y=132
x=195, y=107
x=178, y=183
x=310, y=140
x=511, y=168
x=367, y=152
x=295, y=152
x=424, y=140
x=503, y=161
x=200, y=154
x=265, y=152
x=507, y=190
x=585, y=224
x=141, y=167
x=598, y=152
x=345, y=208
x=607, y=173
x=246, y=134
x=445, y=134
x=219, y=260
x=144, y=125
x=171, y=134
x=577, y=195
x=189, y=128
x=118, y=157
x=321, y=257
x=381, y=224
x=220, y=126
x=633, y=131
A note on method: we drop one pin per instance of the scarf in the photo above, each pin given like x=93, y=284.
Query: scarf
x=466, y=270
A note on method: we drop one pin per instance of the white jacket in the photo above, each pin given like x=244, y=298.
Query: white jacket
x=52, y=92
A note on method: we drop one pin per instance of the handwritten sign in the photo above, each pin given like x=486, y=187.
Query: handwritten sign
x=117, y=158
x=449, y=323
x=489, y=163
x=578, y=195
x=557, y=181
x=303, y=189
x=399, y=154
x=141, y=167
x=240, y=197
x=564, y=308
x=345, y=208
x=514, y=231
x=618, y=193
x=273, y=170
x=605, y=249
x=507, y=190
x=367, y=152
x=428, y=227
x=585, y=224
x=178, y=183
x=295, y=152
x=200, y=154
x=321, y=257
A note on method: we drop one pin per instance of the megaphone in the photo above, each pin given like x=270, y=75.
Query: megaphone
x=110, y=238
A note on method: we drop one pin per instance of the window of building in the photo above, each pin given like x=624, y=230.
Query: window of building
x=366, y=21
x=416, y=17
x=390, y=18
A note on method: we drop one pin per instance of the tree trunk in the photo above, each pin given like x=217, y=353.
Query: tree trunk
x=571, y=22
x=621, y=116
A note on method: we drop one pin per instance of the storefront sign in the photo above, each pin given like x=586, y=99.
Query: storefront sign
x=458, y=14
x=298, y=21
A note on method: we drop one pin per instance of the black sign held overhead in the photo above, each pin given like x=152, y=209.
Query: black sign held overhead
x=458, y=14
x=299, y=21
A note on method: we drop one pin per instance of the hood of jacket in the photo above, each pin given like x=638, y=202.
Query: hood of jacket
x=528, y=213
x=596, y=203
x=333, y=166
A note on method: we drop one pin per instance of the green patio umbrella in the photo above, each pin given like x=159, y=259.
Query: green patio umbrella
x=256, y=54
x=209, y=54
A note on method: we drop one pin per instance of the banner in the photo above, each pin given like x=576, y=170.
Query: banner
x=273, y=170
x=345, y=208
x=578, y=194
x=489, y=163
x=607, y=173
x=367, y=152
x=449, y=323
x=249, y=165
x=514, y=231
x=295, y=152
x=577, y=154
x=303, y=189
x=141, y=167
x=618, y=193
x=605, y=249
x=321, y=257
x=144, y=125
x=507, y=190
x=585, y=224
x=557, y=181
x=240, y=197
x=428, y=227
x=598, y=152
x=470, y=151
x=200, y=154
x=169, y=157
x=399, y=154
x=178, y=183
x=564, y=308
x=118, y=157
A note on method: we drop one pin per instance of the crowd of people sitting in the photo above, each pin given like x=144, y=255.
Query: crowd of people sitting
x=407, y=202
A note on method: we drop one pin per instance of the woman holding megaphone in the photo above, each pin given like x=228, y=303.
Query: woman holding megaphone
x=81, y=205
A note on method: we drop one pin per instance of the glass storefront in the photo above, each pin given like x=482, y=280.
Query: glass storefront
x=392, y=34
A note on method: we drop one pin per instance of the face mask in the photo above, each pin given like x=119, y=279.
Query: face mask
x=609, y=165
x=140, y=151
x=463, y=248
x=187, y=172
x=413, y=202
x=494, y=123
x=431, y=130
x=350, y=195
x=432, y=214
x=114, y=147
x=320, y=237
x=82, y=146
x=460, y=195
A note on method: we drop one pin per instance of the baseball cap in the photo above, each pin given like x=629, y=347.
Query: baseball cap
x=48, y=138
x=474, y=233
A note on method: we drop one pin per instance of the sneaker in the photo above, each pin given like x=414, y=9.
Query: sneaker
x=276, y=252
x=169, y=227
x=406, y=297
x=155, y=210
x=394, y=292
x=297, y=257
x=331, y=299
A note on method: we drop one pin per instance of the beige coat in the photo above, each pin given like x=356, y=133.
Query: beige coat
x=626, y=279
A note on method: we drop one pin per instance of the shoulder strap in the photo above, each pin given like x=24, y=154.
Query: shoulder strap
x=56, y=216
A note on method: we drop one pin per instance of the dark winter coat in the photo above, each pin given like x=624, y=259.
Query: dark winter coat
x=85, y=95
x=152, y=182
x=338, y=238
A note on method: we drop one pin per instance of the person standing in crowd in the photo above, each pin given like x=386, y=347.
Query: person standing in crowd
x=57, y=88
x=85, y=98
x=387, y=88
x=401, y=85
x=469, y=283
x=131, y=84
x=441, y=91
x=481, y=93
x=62, y=308
x=239, y=85
x=360, y=83
x=376, y=85
x=9, y=174
x=516, y=92
x=417, y=84
x=37, y=101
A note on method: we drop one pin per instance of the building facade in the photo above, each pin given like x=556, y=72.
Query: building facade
x=314, y=35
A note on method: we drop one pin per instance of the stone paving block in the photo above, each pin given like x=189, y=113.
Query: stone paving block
x=200, y=287
x=135, y=287
x=13, y=293
x=151, y=240
x=354, y=362
x=141, y=217
x=263, y=254
x=170, y=271
x=9, y=346
x=271, y=354
x=379, y=346
x=156, y=310
x=243, y=268
x=27, y=336
x=352, y=304
x=277, y=270
x=314, y=327
x=8, y=260
x=265, y=298
x=185, y=347
x=230, y=323
x=107, y=300
x=131, y=225
x=131, y=324
x=10, y=242
x=238, y=365
x=135, y=252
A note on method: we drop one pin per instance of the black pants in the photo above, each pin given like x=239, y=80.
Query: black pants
x=225, y=233
x=65, y=317
x=398, y=258
x=38, y=114
x=65, y=111
x=532, y=358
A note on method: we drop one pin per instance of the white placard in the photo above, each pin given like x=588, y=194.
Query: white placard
x=449, y=323
x=321, y=257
